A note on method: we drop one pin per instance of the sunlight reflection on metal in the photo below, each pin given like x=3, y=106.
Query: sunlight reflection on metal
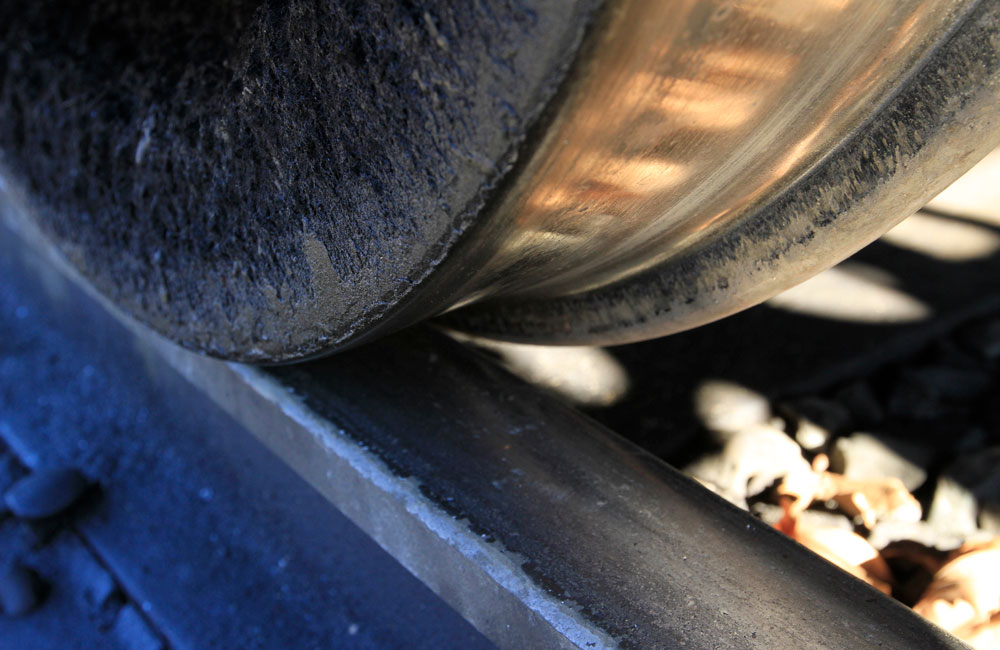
x=690, y=119
x=853, y=292
x=942, y=238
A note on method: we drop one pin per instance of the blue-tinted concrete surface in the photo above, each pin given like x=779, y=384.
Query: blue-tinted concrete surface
x=193, y=525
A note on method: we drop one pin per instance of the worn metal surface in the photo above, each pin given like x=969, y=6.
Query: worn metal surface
x=689, y=117
x=940, y=120
x=301, y=177
x=266, y=180
x=614, y=543
x=539, y=526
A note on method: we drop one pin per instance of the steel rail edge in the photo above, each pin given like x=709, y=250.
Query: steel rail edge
x=542, y=528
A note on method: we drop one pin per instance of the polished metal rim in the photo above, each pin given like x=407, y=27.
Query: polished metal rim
x=574, y=259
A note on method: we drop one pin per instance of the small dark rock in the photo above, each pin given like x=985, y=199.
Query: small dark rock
x=38, y=533
x=982, y=338
x=928, y=392
x=925, y=393
x=913, y=566
x=860, y=400
x=947, y=353
x=816, y=419
x=915, y=399
x=45, y=492
x=952, y=383
x=973, y=440
x=977, y=473
x=825, y=413
x=20, y=591
x=989, y=518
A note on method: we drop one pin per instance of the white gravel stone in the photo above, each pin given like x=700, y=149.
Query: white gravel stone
x=865, y=456
x=751, y=461
x=726, y=408
x=954, y=508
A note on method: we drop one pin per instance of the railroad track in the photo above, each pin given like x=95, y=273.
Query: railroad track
x=536, y=524
x=583, y=173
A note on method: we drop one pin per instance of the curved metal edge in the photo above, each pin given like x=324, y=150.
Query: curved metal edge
x=251, y=316
x=446, y=276
x=541, y=527
x=411, y=302
x=936, y=127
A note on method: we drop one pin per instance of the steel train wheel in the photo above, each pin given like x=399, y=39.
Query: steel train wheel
x=272, y=181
